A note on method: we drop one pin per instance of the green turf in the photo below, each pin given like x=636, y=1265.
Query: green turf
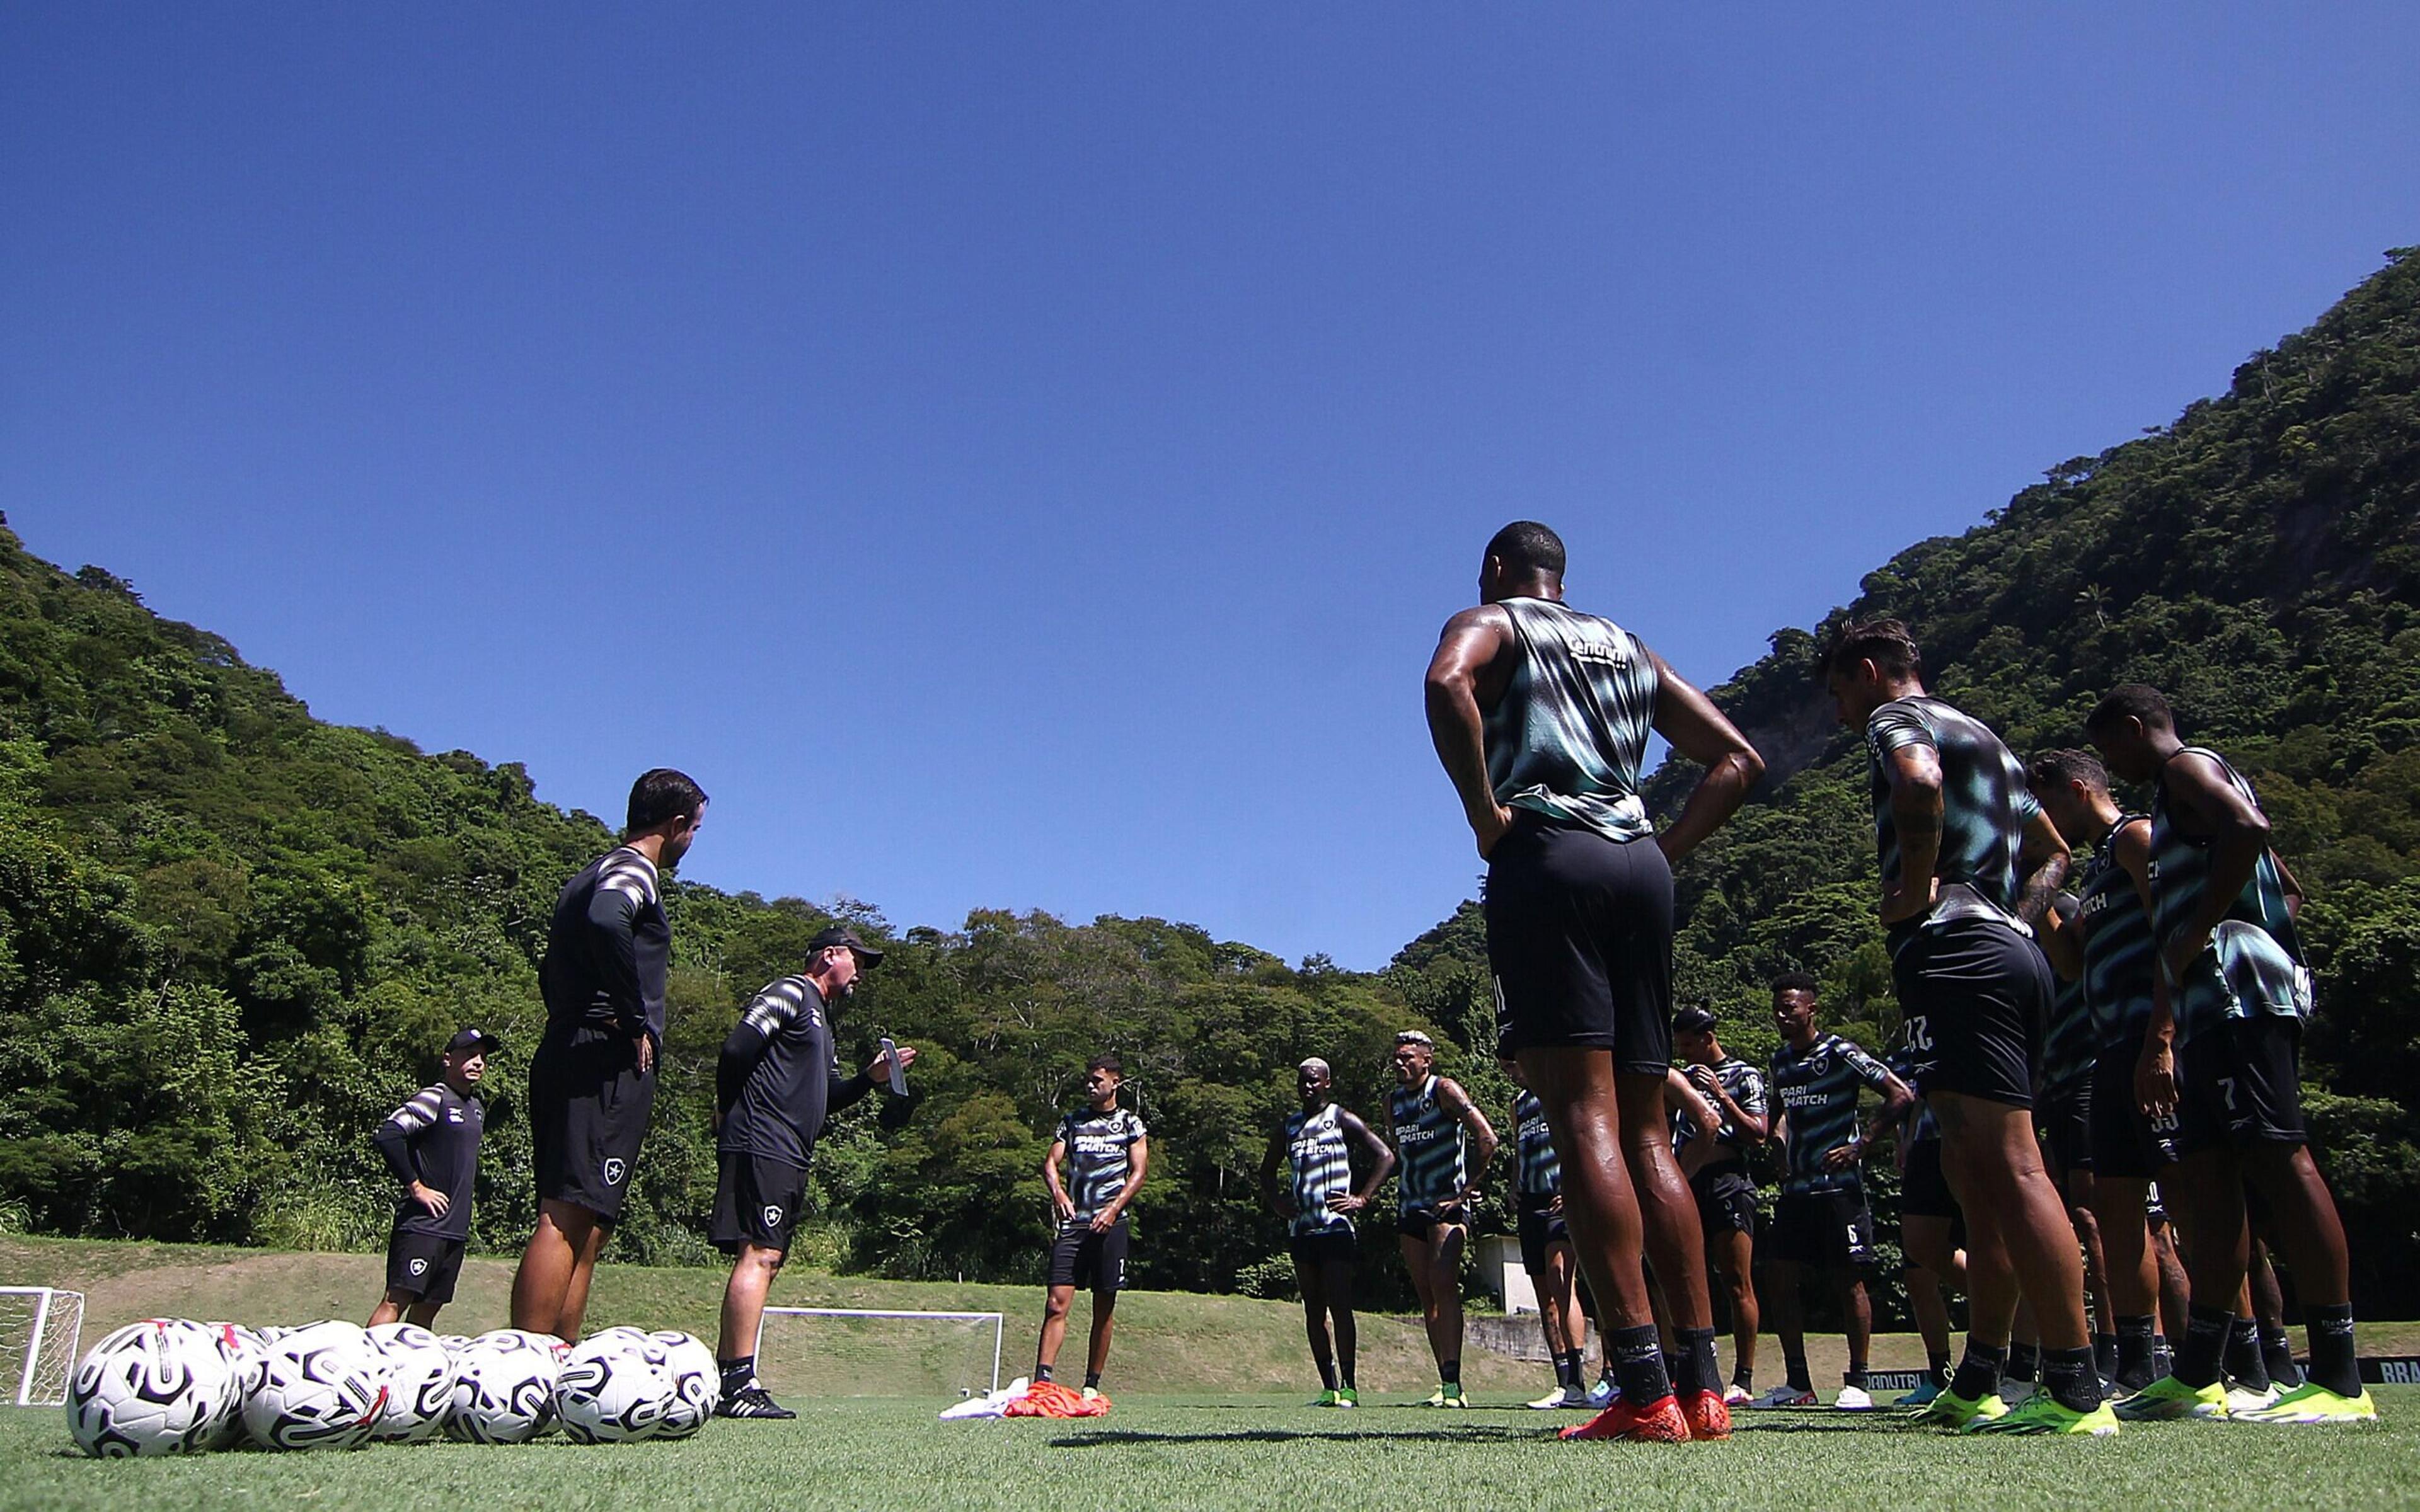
x=1246, y=1452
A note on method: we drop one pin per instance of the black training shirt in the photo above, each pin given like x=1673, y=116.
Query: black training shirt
x=606, y=949
x=434, y=1140
x=778, y=1076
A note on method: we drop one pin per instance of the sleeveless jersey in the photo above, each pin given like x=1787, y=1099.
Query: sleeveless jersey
x=2255, y=966
x=1745, y=1084
x=1540, y=1169
x=1984, y=804
x=1323, y=1168
x=1100, y=1155
x=1569, y=737
x=2119, y=954
x=1818, y=1091
x=1428, y=1147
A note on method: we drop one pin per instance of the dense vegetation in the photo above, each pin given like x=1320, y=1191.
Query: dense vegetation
x=231, y=935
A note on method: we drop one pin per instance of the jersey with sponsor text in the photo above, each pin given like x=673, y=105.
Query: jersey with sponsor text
x=1100, y=1156
x=1428, y=1147
x=1321, y=1161
x=1817, y=1089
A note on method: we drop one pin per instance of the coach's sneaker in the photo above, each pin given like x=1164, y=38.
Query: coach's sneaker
x=1922, y=1396
x=1787, y=1396
x=1736, y=1394
x=1707, y=1416
x=1604, y=1392
x=2311, y=1402
x=1853, y=1399
x=2045, y=1413
x=1659, y=1422
x=1951, y=1411
x=2168, y=1400
x=751, y=1400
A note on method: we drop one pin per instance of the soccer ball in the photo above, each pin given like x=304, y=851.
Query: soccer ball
x=320, y=1387
x=247, y=1356
x=696, y=1383
x=420, y=1383
x=504, y=1387
x=614, y=1387
x=156, y=1387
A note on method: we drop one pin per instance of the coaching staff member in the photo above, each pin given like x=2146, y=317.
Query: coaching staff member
x=432, y=1144
x=593, y=1078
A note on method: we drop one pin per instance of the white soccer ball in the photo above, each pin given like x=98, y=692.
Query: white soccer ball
x=320, y=1387
x=504, y=1387
x=614, y=1387
x=156, y=1387
x=420, y=1383
x=247, y=1356
x=696, y=1382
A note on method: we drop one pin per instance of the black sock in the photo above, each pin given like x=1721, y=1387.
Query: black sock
x=2242, y=1355
x=2025, y=1362
x=1042, y=1372
x=1638, y=1364
x=1572, y=1371
x=1694, y=1370
x=2105, y=1354
x=1938, y=1368
x=1744, y=1378
x=2069, y=1376
x=2333, y=1364
x=1793, y=1365
x=1978, y=1374
x=738, y=1373
x=2136, y=1356
x=1092, y=1379
x=1450, y=1372
x=1326, y=1373
x=2277, y=1353
x=2204, y=1346
x=1854, y=1375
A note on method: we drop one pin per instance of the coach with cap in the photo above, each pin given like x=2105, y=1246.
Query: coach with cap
x=432, y=1144
x=778, y=1080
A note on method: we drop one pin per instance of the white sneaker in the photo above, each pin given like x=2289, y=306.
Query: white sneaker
x=1786, y=1394
x=1853, y=1399
x=1736, y=1394
x=2241, y=1400
x=1549, y=1402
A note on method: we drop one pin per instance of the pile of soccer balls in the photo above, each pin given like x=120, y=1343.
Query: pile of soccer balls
x=169, y=1387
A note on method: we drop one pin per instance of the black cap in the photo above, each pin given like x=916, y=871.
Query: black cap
x=1693, y=1020
x=465, y=1039
x=842, y=934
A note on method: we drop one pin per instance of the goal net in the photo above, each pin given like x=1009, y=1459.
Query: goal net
x=39, y=1327
x=857, y=1351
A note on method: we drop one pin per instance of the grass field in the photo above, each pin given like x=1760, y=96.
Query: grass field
x=1197, y=1424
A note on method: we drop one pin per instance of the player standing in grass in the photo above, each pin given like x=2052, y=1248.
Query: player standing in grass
x=1929, y=1239
x=1107, y=1151
x=1436, y=1181
x=2224, y=1052
x=1822, y=1219
x=776, y=1082
x=1716, y=1166
x=1541, y=715
x=1967, y=862
x=1318, y=1204
x=593, y=1079
x=1546, y=1243
x=432, y=1144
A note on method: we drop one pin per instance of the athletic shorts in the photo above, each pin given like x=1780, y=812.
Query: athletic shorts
x=1726, y=1202
x=1541, y=1230
x=1923, y=1190
x=2125, y=1143
x=2064, y=1116
x=756, y=1201
x=1975, y=995
x=2155, y=1209
x=423, y=1266
x=1325, y=1247
x=1832, y=1230
x=1090, y=1261
x=588, y=1112
x=1419, y=1222
x=2239, y=1082
x=1579, y=937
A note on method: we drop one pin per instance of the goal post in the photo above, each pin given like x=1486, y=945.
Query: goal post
x=883, y=1348
x=39, y=1330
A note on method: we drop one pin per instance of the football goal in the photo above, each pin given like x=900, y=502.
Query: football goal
x=868, y=1352
x=39, y=1328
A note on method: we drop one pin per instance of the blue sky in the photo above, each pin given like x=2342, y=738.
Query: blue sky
x=1020, y=457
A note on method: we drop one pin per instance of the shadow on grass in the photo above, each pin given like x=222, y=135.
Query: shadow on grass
x=1120, y=1438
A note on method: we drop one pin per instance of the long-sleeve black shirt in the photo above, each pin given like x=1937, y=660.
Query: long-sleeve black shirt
x=434, y=1140
x=778, y=1077
x=607, y=948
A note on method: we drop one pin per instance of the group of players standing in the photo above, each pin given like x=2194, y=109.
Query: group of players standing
x=2177, y=1058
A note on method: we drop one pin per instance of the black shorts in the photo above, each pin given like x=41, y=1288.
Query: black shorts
x=2064, y=1115
x=1326, y=1246
x=2124, y=1142
x=1975, y=995
x=2239, y=1082
x=1833, y=1230
x=1093, y=1262
x=588, y=1112
x=756, y=1201
x=1419, y=1222
x=1541, y=1230
x=423, y=1266
x=1579, y=937
x=1923, y=1191
x=1726, y=1202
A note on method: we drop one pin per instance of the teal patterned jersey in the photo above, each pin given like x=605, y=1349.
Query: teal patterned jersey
x=2254, y=963
x=2068, y=1043
x=1569, y=737
x=2119, y=953
x=1428, y=1147
x=1317, y=1147
x=1100, y=1155
x=1541, y=1170
x=1984, y=804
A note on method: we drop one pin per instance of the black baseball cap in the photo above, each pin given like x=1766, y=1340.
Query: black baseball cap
x=1693, y=1020
x=840, y=935
x=466, y=1039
